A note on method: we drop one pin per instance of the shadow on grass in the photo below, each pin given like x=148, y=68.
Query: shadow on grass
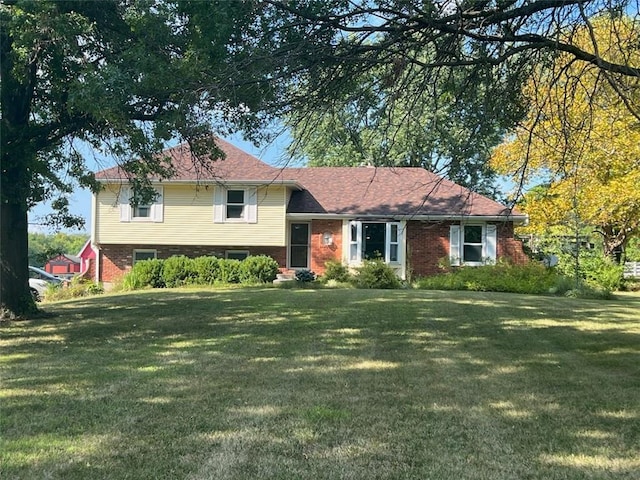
x=261, y=383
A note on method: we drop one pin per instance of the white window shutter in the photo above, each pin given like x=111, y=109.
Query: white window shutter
x=490, y=243
x=218, y=204
x=454, y=245
x=355, y=242
x=124, y=197
x=252, y=205
x=157, y=208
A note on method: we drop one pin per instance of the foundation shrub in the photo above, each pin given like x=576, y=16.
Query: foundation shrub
x=207, y=270
x=305, y=276
x=178, y=270
x=376, y=274
x=229, y=270
x=502, y=277
x=335, y=271
x=145, y=273
x=258, y=269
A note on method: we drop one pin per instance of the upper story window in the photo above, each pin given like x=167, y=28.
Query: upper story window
x=142, y=211
x=153, y=212
x=235, y=205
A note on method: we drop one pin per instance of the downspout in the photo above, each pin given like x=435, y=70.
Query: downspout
x=94, y=245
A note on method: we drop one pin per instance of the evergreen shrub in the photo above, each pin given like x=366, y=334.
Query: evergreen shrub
x=229, y=270
x=305, y=276
x=145, y=273
x=258, y=269
x=178, y=270
x=502, y=277
x=207, y=270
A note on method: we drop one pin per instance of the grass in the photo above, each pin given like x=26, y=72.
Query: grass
x=302, y=384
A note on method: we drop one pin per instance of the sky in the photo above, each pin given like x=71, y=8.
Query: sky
x=273, y=153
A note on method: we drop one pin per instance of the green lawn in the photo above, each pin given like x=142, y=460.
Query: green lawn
x=329, y=384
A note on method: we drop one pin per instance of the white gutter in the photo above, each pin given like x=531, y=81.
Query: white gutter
x=212, y=181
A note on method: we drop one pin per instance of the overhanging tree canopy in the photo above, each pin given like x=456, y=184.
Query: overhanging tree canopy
x=410, y=56
x=123, y=77
x=582, y=141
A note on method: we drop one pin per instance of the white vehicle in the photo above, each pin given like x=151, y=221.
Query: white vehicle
x=39, y=280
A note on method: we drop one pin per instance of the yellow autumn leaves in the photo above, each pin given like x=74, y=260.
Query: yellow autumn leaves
x=580, y=142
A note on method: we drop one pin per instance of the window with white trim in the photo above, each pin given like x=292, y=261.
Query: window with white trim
x=472, y=245
x=375, y=240
x=153, y=212
x=144, y=254
x=141, y=211
x=235, y=205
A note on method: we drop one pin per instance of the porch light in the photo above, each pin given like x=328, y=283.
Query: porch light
x=327, y=238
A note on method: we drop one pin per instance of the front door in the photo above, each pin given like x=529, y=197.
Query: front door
x=299, y=245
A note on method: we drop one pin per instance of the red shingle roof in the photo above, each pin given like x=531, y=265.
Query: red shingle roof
x=237, y=165
x=381, y=191
x=384, y=191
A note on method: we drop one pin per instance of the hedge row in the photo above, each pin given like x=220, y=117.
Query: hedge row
x=532, y=278
x=181, y=270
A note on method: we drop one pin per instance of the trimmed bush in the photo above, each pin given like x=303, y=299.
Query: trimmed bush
x=258, y=269
x=178, y=270
x=229, y=270
x=335, y=271
x=376, y=274
x=145, y=273
x=207, y=270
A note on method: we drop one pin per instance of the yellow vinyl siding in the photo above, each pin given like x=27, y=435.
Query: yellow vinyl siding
x=188, y=220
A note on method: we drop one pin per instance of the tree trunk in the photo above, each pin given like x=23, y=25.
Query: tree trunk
x=16, y=152
x=15, y=295
x=614, y=242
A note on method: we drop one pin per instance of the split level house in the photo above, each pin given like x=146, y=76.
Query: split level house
x=302, y=217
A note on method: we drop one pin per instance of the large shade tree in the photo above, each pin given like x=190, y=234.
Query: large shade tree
x=487, y=42
x=581, y=141
x=396, y=74
x=122, y=77
x=443, y=128
x=128, y=75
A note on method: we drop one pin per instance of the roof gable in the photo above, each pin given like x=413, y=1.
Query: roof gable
x=237, y=165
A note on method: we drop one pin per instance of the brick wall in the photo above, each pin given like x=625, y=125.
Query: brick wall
x=428, y=244
x=320, y=253
x=508, y=246
x=116, y=260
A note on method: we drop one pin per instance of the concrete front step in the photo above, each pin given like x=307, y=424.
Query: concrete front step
x=284, y=277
